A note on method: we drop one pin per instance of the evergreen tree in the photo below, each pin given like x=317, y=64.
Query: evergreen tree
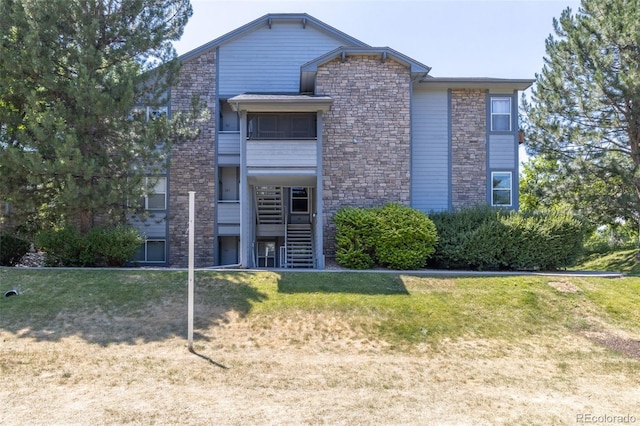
x=76, y=78
x=584, y=113
x=601, y=198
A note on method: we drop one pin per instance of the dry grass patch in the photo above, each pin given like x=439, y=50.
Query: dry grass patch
x=275, y=350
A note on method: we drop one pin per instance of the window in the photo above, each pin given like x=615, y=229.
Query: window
x=266, y=254
x=500, y=114
x=299, y=200
x=282, y=126
x=501, y=189
x=151, y=251
x=156, y=199
x=148, y=113
x=156, y=113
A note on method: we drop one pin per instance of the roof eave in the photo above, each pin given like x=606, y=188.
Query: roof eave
x=477, y=83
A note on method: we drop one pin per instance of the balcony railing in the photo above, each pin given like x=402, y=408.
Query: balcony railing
x=282, y=153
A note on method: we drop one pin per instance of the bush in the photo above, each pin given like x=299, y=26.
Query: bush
x=484, y=247
x=458, y=232
x=12, y=249
x=64, y=247
x=483, y=238
x=404, y=237
x=113, y=246
x=395, y=236
x=545, y=240
x=100, y=247
x=354, y=237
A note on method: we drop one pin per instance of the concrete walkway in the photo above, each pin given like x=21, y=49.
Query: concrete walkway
x=438, y=272
x=425, y=272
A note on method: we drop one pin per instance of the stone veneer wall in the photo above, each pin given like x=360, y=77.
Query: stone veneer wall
x=192, y=168
x=469, y=148
x=371, y=104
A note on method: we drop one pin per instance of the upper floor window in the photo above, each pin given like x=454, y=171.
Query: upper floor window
x=156, y=113
x=282, y=126
x=149, y=113
x=501, y=189
x=156, y=198
x=500, y=114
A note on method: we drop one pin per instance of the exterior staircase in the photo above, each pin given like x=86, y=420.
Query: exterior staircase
x=299, y=246
x=269, y=202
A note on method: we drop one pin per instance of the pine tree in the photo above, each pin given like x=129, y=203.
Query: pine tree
x=584, y=112
x=76, y=77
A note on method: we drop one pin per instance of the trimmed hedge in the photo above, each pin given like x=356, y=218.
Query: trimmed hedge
x=482, y=238
x=394, y=236
x=100, y=247
x=12, y=249
x=354, y=237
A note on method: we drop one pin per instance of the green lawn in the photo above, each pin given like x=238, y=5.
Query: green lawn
x=624, y=261
x=401, y=309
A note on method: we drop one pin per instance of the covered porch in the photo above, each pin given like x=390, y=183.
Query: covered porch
x=281, y=180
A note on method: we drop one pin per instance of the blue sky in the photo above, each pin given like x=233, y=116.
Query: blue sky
x=475, y=38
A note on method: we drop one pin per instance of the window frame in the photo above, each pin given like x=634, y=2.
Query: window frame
x=508, y=114
x=306, y=198
x=145, y=201
x=145, y=251
x=510, y=189
x=155, y=113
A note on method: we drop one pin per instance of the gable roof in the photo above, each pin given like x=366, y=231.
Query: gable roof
x=269, y=20
x=308, y=71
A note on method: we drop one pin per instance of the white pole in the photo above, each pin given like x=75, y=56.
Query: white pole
x=192, y=204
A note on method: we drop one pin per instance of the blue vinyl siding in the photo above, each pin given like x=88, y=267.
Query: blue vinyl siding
x=502, y=152
x=430, y=154
x=155, y=225
x=269, y=60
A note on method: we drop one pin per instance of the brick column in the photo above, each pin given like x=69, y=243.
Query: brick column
x=192, y=167
x=469, y=148
x=366, y=136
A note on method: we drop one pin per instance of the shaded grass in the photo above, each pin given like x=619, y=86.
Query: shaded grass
x=105, y=306
x=111, y=306
x=623, y=261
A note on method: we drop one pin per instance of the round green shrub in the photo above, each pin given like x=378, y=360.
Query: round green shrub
x=113, y=246
x=404, y=237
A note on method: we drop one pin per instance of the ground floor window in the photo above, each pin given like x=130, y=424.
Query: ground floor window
x=501, y=189
x=151, y=251
x=299, y=200
x=266, y=255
